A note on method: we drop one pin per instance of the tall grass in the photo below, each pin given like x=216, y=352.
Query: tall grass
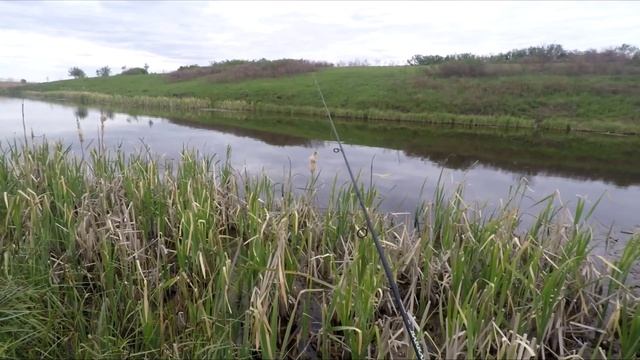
x=543, y=120
x=143, y=102
x=128, y=256
x=178, y=104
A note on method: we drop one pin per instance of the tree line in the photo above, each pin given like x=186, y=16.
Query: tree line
x=105, y=71
x=544, y=53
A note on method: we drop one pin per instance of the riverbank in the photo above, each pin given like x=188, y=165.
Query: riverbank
x=568, y=102
x=123, y=256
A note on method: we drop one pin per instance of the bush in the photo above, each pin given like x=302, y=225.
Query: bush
x=237, y=70
x=77, y=73
x=135, y=71
x=551, y=59
x=569, y=67
x=103, y=71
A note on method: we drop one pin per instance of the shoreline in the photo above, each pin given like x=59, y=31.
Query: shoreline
x=390, y=117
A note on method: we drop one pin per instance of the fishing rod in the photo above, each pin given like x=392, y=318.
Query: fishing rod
x=406, y=319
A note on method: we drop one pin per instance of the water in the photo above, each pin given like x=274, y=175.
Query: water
x=404, y=160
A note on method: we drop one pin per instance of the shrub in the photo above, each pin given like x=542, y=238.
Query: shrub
x=552, y=59
x=569, y=67
x=103, y=71
x=135, y=71
x=237, y=70
x=77, y=73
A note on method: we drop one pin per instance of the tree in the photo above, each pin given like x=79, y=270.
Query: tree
x=627, y=50
x=103, y=71
x=77, y=73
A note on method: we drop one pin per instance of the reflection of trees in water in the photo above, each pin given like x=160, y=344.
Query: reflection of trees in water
x=449, y=160
x=134, y=118
x=515, y=151
x=106, y=114
x=271, y=138
x=81, y=112
x=461, y=152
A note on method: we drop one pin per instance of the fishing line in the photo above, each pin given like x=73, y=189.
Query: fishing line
x=406, y=319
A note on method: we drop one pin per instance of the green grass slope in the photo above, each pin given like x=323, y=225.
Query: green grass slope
x=589, y=102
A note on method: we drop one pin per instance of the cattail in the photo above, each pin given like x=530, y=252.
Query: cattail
x=313, y=160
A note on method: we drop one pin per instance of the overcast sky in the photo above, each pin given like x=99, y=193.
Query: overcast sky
x=41, y=40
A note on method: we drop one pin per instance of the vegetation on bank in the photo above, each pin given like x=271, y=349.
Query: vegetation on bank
x=237, y=70
x=553, y=53
x=142, y=102
x=126, y=256
x=4, y=85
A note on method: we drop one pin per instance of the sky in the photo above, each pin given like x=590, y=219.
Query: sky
x=40, y=41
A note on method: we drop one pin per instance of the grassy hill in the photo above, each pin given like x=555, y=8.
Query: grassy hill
x=609, y=101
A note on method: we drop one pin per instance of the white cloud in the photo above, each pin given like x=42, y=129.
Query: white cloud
x=41, y=56
x=39, y=40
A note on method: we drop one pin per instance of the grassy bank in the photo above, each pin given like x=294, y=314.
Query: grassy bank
x=588, y=102
x=152, y=103
x=131, y=257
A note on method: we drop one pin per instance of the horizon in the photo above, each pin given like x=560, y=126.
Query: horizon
x=356, y=62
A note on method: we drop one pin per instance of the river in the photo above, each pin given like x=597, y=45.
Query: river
x=404, y=162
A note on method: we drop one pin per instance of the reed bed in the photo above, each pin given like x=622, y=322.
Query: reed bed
x=122, y=255
x=187, y=103
x=137, y=101
x=171, y=104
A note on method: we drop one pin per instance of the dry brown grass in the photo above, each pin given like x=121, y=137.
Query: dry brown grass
x=571, y=67
x=238, y=70
x=137, y=258
x=10, y=84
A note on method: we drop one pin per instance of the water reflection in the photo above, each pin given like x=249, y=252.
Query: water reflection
x=271, y=138
x=398, y=161
x=81, y=112
x=586, y=157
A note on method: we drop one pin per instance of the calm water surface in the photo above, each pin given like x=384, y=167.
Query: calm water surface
x=399, y=172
